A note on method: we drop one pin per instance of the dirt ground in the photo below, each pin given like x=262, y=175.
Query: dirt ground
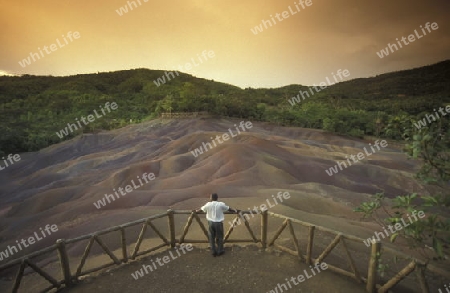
x=240, y=269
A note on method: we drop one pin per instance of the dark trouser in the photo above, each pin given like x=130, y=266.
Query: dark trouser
x=216, y=234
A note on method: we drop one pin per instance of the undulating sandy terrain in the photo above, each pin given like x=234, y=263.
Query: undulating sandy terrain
x=60, y=184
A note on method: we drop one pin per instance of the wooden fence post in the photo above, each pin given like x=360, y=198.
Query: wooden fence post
x=264, y=221
x=19, y=276
x=420, y=273
x=123, y=241
x=373, y=266
x=64, y=262
x=170, y=215
x=309, y=248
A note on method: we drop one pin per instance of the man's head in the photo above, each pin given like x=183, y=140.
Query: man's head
x=214, y=196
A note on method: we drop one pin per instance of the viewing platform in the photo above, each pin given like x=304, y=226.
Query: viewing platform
x=240, y=269
x=265, y=252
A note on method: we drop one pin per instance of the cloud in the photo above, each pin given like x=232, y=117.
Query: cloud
x=302, y=49
x=5, y=73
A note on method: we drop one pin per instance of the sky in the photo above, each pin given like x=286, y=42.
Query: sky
x=306, y=44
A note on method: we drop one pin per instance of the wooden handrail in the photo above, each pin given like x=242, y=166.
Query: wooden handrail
x=69, y=279
x=347, y=236
x=16, y=261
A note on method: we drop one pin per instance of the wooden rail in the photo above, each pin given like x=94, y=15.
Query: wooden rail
x=185, y=115
x=70, y=278
x=414, y=265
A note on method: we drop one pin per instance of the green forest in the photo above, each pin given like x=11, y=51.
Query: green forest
x=34, y=108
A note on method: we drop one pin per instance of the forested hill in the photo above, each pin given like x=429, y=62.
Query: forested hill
x=34, y=108
x=427, y=80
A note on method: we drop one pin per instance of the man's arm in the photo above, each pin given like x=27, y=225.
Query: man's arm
x=230, y=209
x=199, y=211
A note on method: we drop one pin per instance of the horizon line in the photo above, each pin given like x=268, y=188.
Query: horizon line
x=8, y=74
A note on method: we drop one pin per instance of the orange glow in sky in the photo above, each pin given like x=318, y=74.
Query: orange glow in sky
x=299, y=42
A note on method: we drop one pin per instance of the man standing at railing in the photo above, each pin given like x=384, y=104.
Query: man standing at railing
x=214, y=214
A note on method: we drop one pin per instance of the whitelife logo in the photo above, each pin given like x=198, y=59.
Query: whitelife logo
x=360, y=156
x=262, y=207
x=225, y=137
x=411, y=38
x=110, y=197
x=29, y=241
x=285, y=14
x=446, y=287
x=49, y=49
x=296, y=280
x=162, y=261
x=423, y=122
x=72, y=127
x=132, y=5
x=341, y=73
x=187, y=67
x=393, y=229
x=10, y=158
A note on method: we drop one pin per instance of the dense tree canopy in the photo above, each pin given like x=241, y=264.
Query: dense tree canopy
x=34, y=108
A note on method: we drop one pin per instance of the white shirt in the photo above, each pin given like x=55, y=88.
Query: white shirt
x=214, y=210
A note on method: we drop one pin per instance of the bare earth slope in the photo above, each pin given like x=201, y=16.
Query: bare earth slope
x=59, y=184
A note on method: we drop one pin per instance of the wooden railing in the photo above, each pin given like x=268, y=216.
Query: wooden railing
x=414, y=265
x=304, y=254
x=185, y=115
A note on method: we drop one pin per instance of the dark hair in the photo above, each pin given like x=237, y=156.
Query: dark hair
x=214, y=196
